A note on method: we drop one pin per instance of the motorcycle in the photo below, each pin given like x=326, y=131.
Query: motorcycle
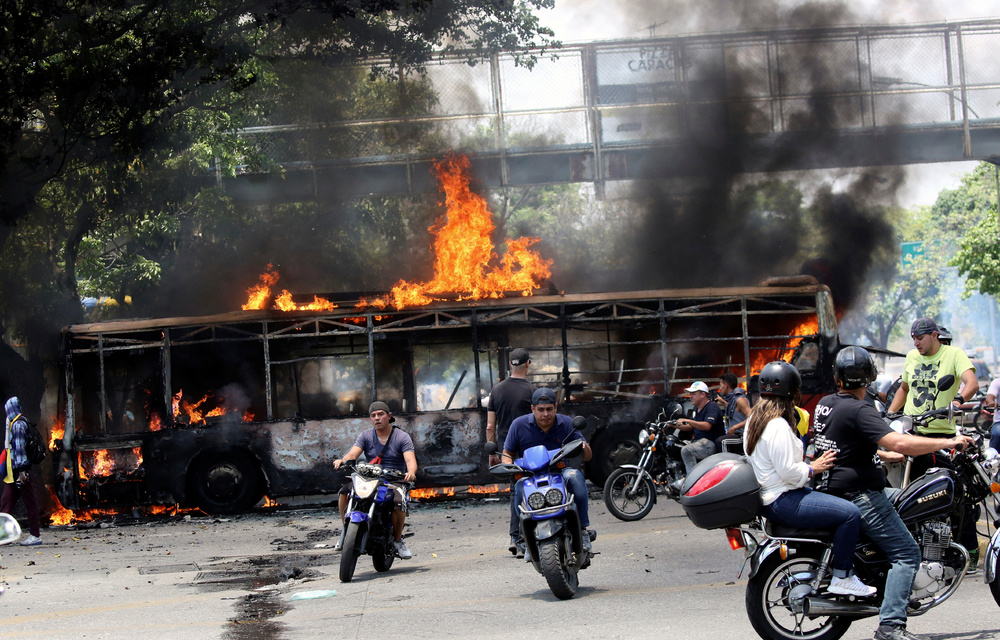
x=550, y=522
x=630, y=491
x=790, y=568
x=368, y=517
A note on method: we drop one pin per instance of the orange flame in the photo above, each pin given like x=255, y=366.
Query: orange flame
x=57, y=432
x=463, y=251
x=762, y=357
x=195, y=414
x=259, y=294
x=155, y=422
x=60, y=515
x=432, y=493
x=103, y=463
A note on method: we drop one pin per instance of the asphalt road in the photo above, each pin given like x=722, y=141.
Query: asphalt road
x=236, y=579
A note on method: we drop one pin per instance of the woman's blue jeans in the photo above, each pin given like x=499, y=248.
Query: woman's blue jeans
x=810, y=509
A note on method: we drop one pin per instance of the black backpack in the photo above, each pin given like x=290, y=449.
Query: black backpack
x=34, y=446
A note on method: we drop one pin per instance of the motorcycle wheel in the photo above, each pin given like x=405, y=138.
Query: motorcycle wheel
x=995, y=585
x=622, y=502
x=384, y=557
x=768, y=607
x=349, y=556
x=558, y=569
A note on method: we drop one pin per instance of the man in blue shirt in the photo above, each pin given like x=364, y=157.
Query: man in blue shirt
x=543, y=426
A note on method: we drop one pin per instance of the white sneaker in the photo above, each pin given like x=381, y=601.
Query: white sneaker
x=402, y=551
x=339, y=546
x=31, y=541
x=850, y=587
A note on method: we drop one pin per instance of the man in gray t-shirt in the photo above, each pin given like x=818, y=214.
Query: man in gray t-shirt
x=392, y=448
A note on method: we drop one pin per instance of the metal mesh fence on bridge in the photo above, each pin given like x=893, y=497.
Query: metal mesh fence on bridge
x=643, y=93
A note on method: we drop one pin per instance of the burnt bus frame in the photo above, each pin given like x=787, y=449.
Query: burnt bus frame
x=614, y=417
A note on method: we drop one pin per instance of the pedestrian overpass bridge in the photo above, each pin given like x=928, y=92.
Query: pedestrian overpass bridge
x=790, y=99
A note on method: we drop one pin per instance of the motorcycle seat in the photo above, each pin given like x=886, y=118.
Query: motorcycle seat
x=775, y=530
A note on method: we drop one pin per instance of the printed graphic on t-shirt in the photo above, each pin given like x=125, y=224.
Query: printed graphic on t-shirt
x=923, y=384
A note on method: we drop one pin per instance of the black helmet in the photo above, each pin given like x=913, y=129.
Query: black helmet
x=779, y=378
x=854, y=368
x=944, y=336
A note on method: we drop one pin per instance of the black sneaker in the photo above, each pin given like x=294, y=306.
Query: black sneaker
x=522, y=549
x=895, y=632
x=513, y=545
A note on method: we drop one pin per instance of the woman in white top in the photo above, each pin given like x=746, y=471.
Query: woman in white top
x=775, y=452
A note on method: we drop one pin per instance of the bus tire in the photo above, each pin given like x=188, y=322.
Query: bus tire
x=617, y=446
x=225, y=482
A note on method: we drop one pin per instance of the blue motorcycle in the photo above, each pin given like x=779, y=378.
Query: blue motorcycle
x=368, y=517
x=550, y=522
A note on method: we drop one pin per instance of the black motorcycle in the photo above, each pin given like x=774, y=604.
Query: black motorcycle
x=790, y=568
x=630, y=491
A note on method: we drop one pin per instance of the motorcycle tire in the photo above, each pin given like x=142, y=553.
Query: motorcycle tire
x=349, y=555
x=620, y=500
x=767, y=602
x=383, y=557
x=557, y=568
x=995, y=585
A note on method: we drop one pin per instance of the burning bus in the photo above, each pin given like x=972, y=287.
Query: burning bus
x=220, y=411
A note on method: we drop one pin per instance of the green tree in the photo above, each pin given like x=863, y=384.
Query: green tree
x=112, y=111
x=975, y=204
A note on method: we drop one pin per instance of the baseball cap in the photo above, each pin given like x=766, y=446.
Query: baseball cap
x=519, y=356
x=543, y=395
x=922, y=326
x=378, y=405
x=697, y=386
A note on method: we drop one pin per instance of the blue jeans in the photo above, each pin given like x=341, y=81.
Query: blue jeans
x=814, y=510
x=881, y=523
x=575, y=484
x=695, y=451
x=995, y=436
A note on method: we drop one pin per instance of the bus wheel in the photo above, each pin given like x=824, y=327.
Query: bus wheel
x=225, y=482
x=617, y=446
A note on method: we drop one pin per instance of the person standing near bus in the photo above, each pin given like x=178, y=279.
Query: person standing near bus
x=510, y=399
x=18, y=479
x=392, y=448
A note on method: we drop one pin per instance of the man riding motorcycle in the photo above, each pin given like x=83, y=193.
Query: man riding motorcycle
x=853, y=429
x=543, y=426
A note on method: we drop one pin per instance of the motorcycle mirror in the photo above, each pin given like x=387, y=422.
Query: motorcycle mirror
x=945, y=382
x=579, y=422
x=490, y=448
x=10, y=530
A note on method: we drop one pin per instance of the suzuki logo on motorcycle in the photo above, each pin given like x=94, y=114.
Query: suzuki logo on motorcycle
x=932, y=496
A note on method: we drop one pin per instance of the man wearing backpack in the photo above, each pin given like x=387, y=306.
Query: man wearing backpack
x=18, y=479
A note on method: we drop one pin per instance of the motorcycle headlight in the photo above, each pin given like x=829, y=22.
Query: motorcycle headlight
x=643, y=437
x=364, y=487
x=553, y=497
x=536, y=500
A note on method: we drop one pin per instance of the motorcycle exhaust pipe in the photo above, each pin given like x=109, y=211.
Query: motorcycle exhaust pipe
x=823, y=607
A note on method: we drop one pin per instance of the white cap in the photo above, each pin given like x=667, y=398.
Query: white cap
x=697, y=386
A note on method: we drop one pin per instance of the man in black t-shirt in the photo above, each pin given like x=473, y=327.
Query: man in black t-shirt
x=706, y=426
x=851, y=427
x=510, y=399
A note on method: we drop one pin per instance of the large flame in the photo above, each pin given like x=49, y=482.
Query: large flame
x=785, y=352
x=465, y=262
x=463, y=251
